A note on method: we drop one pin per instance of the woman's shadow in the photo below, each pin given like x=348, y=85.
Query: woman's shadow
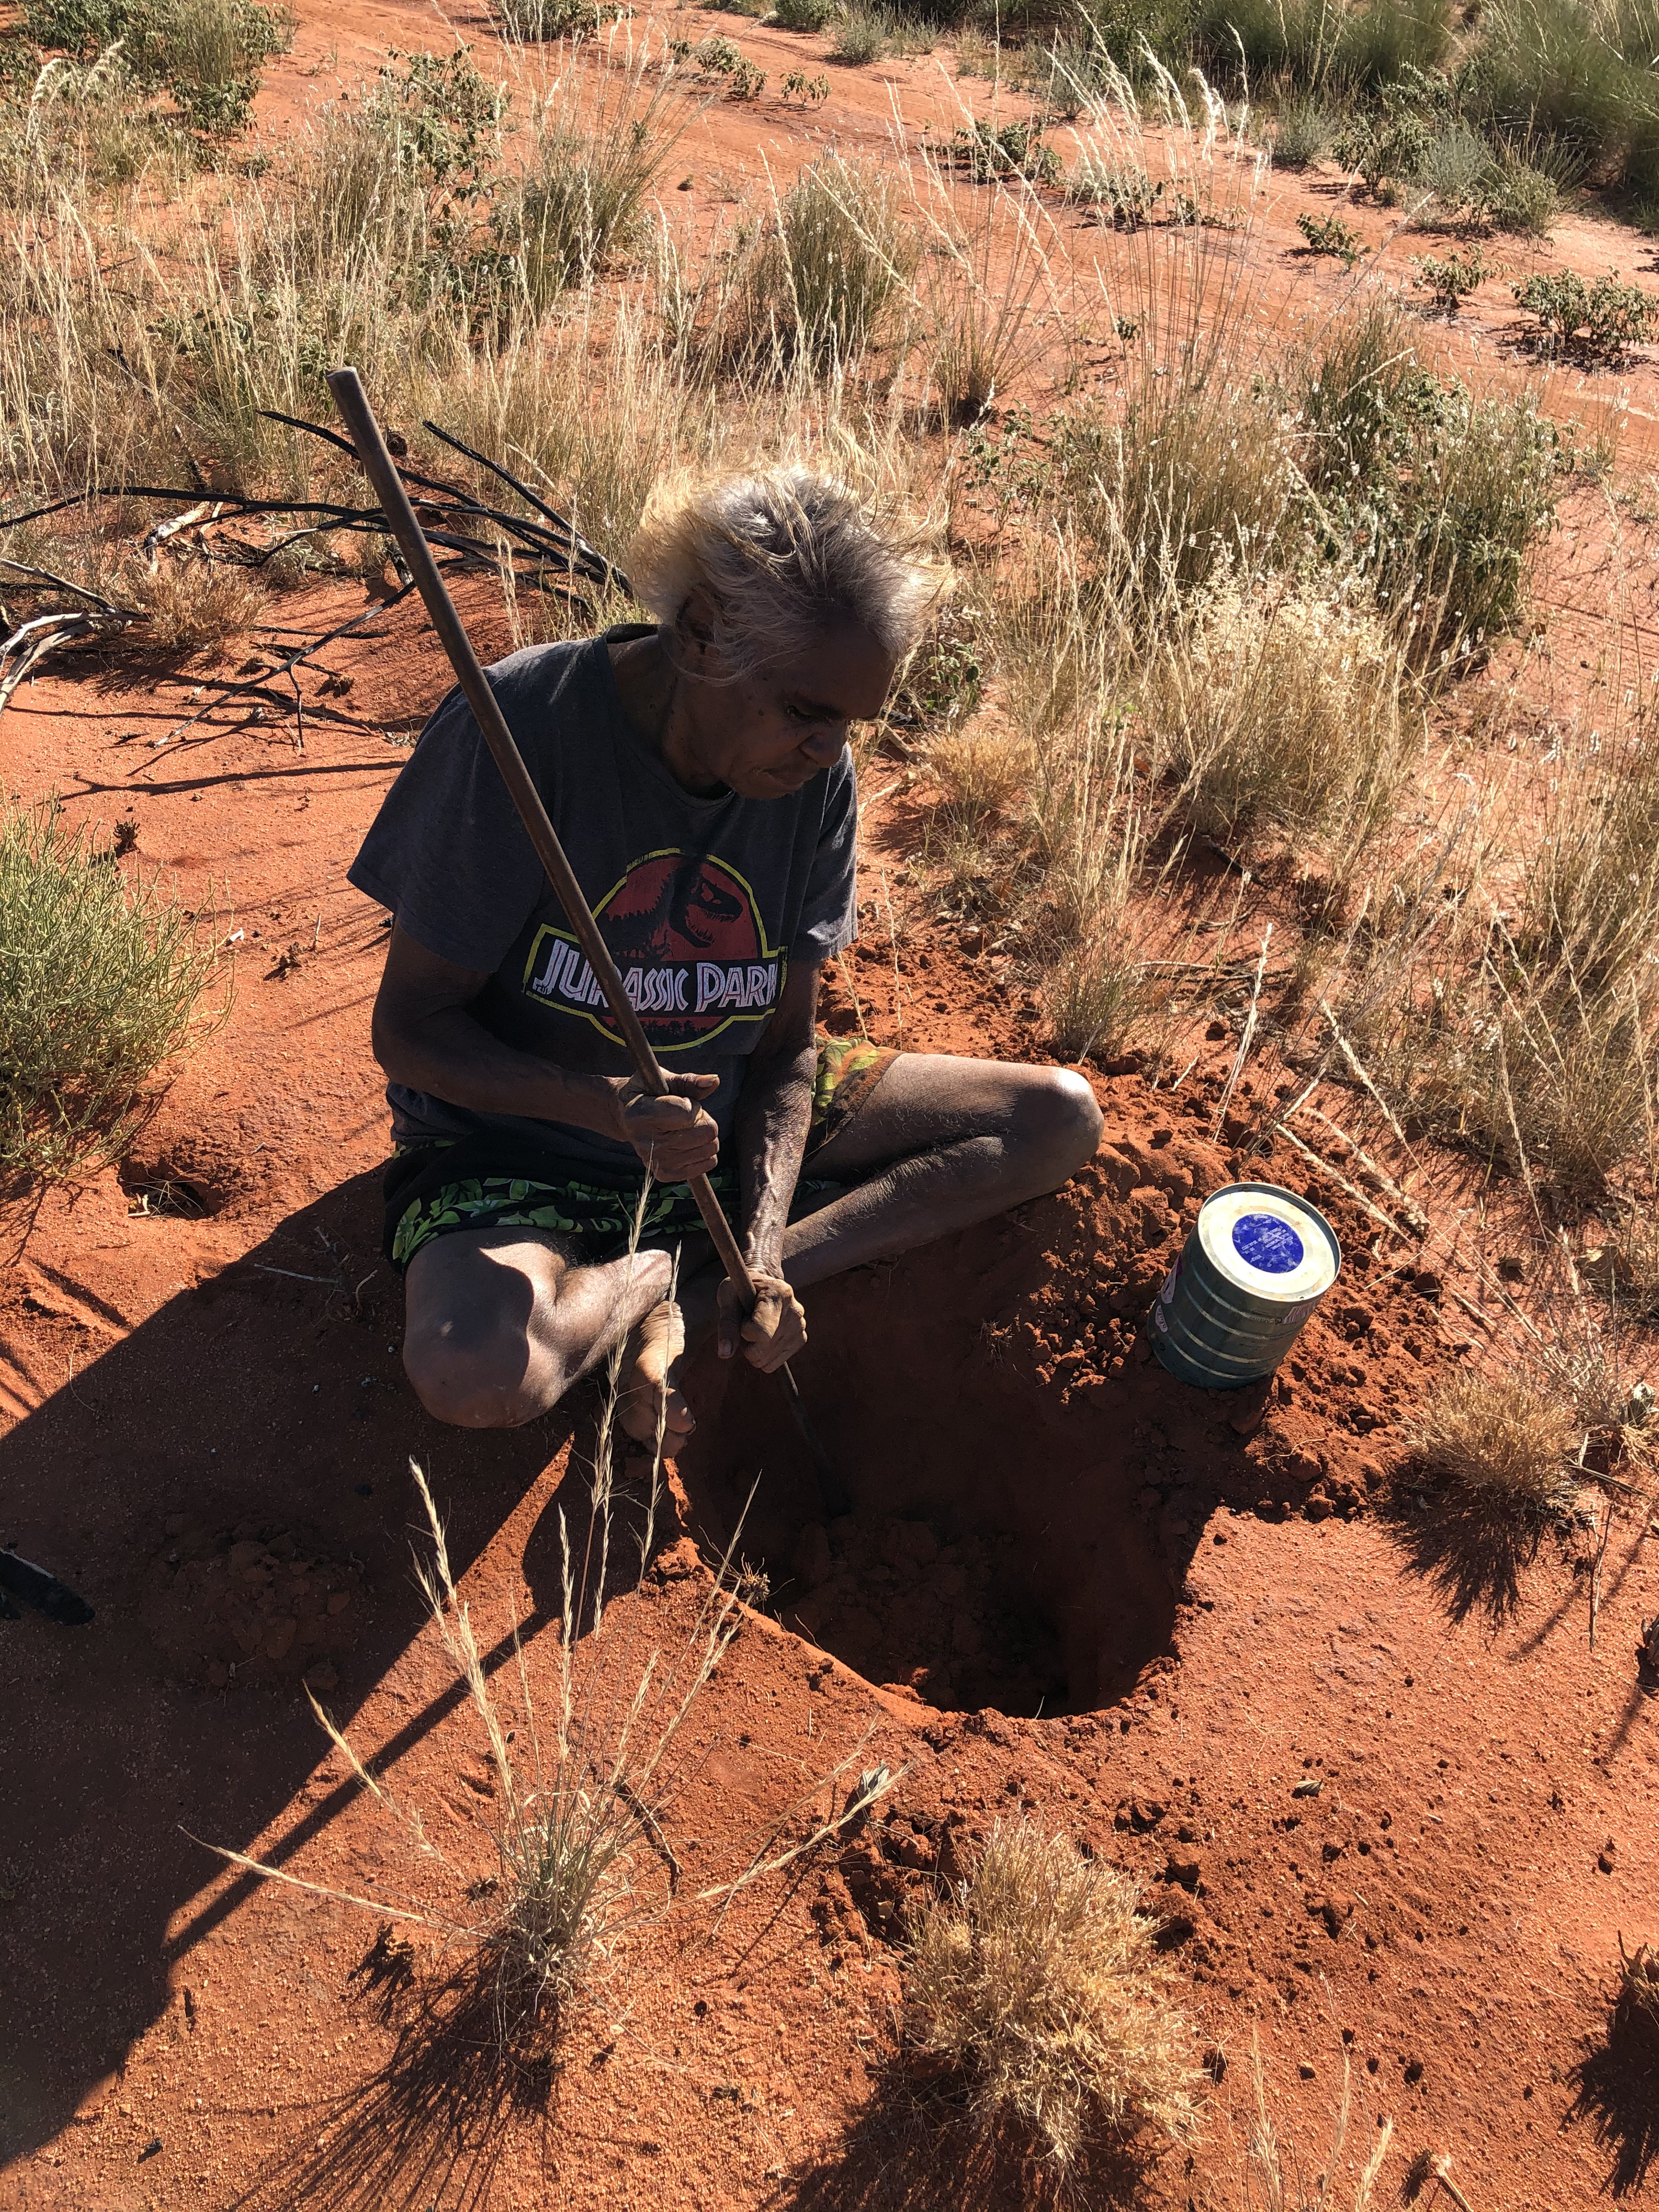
x=260, y=1417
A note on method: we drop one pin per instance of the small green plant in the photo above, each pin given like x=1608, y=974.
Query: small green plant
x=803, y=15
x=1520, y=199
x=100, y=974
x=812, y=90
x=1036, y=1983
x=987, y=151
x=718, y=57
x=1594, y=322
x=1385, y=149
x=1450, y=278
x=1126, y=196
x=1328, y=234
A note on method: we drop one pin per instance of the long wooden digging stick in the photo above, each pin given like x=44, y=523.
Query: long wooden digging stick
x=359, y=419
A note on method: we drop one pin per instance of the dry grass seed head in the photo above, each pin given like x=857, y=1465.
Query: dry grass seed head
x=1037, y=1984
x=1502, y=1440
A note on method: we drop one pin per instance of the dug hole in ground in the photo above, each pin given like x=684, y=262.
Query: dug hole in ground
x=1391, y=1808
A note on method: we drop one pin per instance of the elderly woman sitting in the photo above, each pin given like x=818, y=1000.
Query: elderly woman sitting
x=697, y=773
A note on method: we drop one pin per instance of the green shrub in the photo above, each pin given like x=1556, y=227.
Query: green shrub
x=1454, y=538
x=1516, y=196
x=1358, y=399
x=1385, y=147
x=1450, y=278
x=538, y=21
x=985, y=151
x=207, y=55
x=1596, y=322
x=1328, y=234
x=803, y=15
x=99, y=977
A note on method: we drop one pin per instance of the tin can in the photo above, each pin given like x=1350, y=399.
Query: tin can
x=1256, y=1266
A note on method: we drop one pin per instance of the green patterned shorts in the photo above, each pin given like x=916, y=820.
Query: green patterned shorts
x=478, y=1182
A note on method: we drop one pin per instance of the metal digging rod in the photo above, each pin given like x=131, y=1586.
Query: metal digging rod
x=359, y=418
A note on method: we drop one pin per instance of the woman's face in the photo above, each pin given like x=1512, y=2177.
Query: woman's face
x=765, y=735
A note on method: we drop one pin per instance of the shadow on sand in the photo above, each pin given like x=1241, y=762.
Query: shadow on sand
x=1617, y=2091
x=1472, y=1557
x=915, y=2148
x=266, y=1395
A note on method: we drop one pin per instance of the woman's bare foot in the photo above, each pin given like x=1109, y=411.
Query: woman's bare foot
x=649, y=1390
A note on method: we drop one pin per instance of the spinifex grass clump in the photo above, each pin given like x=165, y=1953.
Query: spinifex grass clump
x=1036, y=1984
x=1500, y=1441
x=1278, y=711
x=207, y=55
x=100, y=973
x=819, y=280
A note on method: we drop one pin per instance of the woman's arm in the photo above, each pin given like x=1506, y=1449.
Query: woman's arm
x=425, y=1037
x=774, y=1111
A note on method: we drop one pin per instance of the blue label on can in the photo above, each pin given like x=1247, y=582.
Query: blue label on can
x=1263, y=1241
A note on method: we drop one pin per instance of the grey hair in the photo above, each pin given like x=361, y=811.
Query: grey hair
x=783, y=553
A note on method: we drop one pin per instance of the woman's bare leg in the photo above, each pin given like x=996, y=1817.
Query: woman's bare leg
x=500, y=1323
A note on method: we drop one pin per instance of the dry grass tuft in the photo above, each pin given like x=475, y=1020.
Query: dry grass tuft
x=579, y=1783
x=100, y=975
x=195, y=607
x=818, y=284
x=1035, y=1982
x=1267, y=2158
x=1502, y=1441
x=980, y=771
x=1279, y=711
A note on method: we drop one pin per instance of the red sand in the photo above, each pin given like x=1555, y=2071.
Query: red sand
x=1070, y=1586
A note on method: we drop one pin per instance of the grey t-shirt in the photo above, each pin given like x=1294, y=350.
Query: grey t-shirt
x=702, y=902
